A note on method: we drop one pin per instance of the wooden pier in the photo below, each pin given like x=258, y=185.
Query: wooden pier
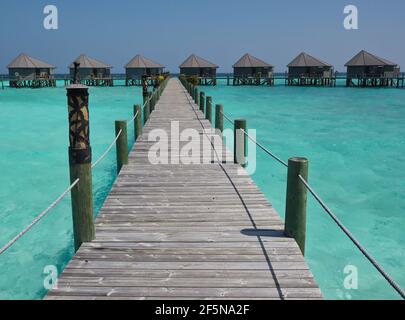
x=138, y=82
x=376, y=81
x=311, y=81
x=250, y=81
x=33, y=83
x=207, y=81
x=95, y=82
x=186, y=231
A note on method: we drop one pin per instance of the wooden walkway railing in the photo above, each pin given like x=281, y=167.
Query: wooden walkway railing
x=186, y=231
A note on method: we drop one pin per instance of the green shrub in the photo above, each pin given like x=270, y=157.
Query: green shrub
x=193, y=80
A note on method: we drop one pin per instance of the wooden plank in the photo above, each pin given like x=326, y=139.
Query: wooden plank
x=109, y=281
x=169, y=292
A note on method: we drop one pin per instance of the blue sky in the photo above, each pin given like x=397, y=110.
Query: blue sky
x=219, y=30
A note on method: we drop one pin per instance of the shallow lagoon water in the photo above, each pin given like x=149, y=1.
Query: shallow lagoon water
x=355, y=142
x=354, y=138
x=34, y=162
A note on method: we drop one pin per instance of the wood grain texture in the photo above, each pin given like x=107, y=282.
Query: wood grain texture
x=186, y=231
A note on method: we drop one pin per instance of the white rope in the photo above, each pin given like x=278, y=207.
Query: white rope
x=38, y=218
x=227, y=118
x=266, y=150
x=95, y=164
x=129, y=121
x=60, y=198
x=393, y=284
x=353, y=239
x=271, y=154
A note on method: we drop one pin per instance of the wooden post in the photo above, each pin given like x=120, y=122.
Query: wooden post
x=146, y=112
x=137, y=121
x=296, y=202
x=145, y=97
x=202, y=102
x=152, y=101
x=240, y=142
x=219, y=117
x=122, y=144
x=196, y=96
x=208, y=109
x=80, y=164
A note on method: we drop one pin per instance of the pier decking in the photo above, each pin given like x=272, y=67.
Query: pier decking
x=186, y=231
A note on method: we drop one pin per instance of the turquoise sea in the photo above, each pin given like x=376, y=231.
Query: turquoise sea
x=354, y=139
x=35, y=171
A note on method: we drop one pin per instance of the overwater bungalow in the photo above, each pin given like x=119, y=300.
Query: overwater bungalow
x=139, y=67
x=249, y=70
x=368, y=70
x=306, y=70
x=92, y=72
x=203, y=69
x=28, y=72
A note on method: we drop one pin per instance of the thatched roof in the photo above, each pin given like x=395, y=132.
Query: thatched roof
x=249, y=61
x=140, y=62
x=89, y=63
x=306, y=60
x=194, y=61
x=24, y=61
x=364, y=58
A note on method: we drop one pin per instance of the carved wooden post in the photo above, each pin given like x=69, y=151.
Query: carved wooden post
x=80, y=164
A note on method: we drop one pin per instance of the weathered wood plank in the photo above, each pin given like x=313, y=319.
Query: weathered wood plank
x=186, y=231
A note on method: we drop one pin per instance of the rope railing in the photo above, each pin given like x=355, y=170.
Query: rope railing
x=227, y=118
x=69, y=189
x=271, y=154
x=57, y=201
x=387, y=277
x=105, y=153
x=134, y=117
x=38, y=218
x=352, y=238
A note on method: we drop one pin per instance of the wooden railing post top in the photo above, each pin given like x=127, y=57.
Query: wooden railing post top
x=300, y=160
x=77, y=86
x=240, y=122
